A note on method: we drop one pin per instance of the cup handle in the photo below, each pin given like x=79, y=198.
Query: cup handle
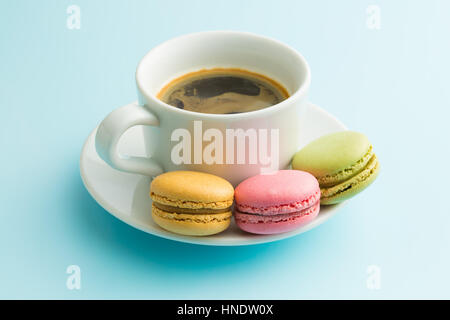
x=113, y=127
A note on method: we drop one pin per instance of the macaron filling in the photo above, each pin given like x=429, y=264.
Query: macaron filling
x=197, y=218
x=283, y=217
x=174, y=209
x=189, y=203
x=293, y=207
x=346, y=173
x=368, y=172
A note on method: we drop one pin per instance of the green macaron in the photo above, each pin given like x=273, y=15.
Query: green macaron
x=343, y=162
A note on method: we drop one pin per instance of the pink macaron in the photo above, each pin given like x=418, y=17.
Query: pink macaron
x=276, y=203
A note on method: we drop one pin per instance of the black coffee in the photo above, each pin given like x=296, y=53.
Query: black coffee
x=223, y=91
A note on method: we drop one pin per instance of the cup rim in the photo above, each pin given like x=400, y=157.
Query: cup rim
x=301, y=91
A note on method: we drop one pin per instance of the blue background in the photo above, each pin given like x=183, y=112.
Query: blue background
x=57, y=84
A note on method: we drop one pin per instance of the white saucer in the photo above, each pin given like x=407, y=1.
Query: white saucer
x=126, y=196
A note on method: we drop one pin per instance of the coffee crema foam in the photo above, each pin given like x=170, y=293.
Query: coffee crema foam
x=223, y=91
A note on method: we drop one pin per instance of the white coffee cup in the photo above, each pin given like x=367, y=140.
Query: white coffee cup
x=205, y=50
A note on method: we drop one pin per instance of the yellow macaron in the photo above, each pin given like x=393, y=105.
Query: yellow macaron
x=191, y=203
